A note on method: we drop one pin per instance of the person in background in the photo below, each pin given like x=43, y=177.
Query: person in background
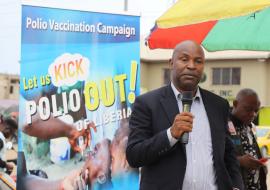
x=7, y=132
x=245, y=108
x=208, y=161
x=6, y=181
x=9, y=127
x=4, y=165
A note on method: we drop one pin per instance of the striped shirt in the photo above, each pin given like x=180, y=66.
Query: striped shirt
x=200, y=173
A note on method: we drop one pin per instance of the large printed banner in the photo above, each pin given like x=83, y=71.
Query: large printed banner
x=79, y=77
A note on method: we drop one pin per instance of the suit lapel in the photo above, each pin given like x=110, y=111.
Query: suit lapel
x=208, y=105
x=171, y=109
x=212, y=118
x=169, y=104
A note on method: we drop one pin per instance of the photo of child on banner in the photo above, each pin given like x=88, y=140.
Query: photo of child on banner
x=105, y=166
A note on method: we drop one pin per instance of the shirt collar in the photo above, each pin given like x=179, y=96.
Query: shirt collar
x=177, y=94
x=238, y=123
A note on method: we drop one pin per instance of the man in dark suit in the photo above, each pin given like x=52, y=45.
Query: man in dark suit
x=207, y=161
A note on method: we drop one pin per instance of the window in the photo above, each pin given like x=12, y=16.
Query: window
x=226, y=76
x=14, y=81
x=11, y=90
x=167, y=76
x=236, y=73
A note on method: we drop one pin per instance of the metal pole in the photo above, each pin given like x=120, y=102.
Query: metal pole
x=125, y=5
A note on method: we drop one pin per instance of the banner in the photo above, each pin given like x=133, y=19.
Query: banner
x=79, y=77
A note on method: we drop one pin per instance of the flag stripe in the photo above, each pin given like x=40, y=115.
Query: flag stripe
x=169, y=38
x=186, y=12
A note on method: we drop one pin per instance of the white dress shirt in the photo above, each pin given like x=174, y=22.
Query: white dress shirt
x=200, y=173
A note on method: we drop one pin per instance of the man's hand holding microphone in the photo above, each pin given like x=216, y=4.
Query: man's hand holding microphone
x=182, y=124
x=183, y=121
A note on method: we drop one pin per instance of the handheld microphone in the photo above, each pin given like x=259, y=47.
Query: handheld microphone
x=186, y=102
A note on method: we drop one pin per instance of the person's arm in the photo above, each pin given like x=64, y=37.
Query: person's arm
x=230, y=159
x=54, y=128
x=37, y=183
x=232, y=164
x=249, y=162
x=50, y=129
x=71, y=182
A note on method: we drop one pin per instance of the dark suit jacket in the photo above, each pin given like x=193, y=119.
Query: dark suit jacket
x=163, y=167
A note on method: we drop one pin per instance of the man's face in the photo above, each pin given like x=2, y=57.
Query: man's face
x=246, y=109
x=187, y=66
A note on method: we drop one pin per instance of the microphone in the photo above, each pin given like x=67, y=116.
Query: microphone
x=186, y=102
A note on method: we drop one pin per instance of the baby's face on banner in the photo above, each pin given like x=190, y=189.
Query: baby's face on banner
x=119, y=163
x=102, y=155
x=98, y=163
